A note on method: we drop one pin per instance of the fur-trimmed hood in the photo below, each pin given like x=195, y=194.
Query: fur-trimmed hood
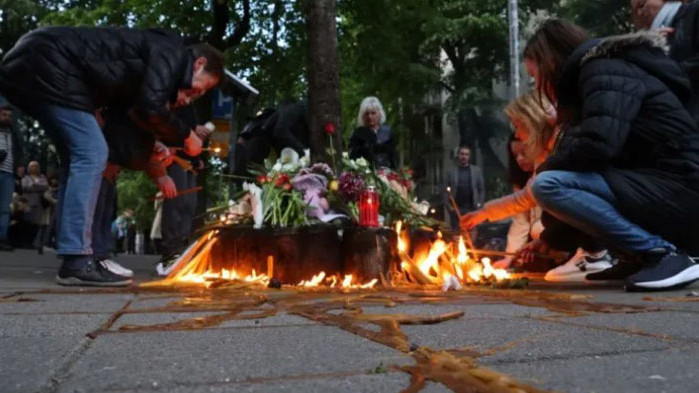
x=608, y=47
x=646, y=50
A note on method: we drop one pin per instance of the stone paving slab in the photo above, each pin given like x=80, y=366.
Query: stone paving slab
x=26, y=363
x=391, y=382
x=208, y=356
x=505, y=310
x=669, y=371
x=145, y=319
x=49, y=325
x=59, y=303
x=673, y=324
x=520, y=339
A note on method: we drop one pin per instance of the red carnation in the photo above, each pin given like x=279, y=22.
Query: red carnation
x=282, y=179
x=329, y=128
x=262, y=179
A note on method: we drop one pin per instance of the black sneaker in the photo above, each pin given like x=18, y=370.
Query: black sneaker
x=618, y=272
x=91, y=275
x=663, y=270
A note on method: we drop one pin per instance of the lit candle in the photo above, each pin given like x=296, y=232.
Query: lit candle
x=369, y=208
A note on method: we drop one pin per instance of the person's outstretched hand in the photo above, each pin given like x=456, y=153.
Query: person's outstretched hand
x=528, y=253
x=193, y=145
x=203, y=132
x=470, y=220
x=167, y=186
x=666, y=31
x=162, y=153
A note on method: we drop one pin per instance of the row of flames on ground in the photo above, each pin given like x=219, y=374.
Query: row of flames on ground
x=447, y=264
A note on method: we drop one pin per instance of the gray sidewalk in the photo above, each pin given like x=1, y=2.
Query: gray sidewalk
x=574, y=339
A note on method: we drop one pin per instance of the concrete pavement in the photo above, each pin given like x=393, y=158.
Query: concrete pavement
x=563, y=338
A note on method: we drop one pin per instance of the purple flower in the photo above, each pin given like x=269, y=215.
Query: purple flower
x=319, y=168
x=350, y=186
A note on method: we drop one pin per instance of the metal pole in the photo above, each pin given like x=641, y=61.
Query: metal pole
x=232, y=141
x=513, y=21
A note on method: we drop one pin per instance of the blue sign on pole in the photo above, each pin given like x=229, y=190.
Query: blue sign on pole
x=221, y=105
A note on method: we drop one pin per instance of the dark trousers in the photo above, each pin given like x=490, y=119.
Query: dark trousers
x=102, y=236
x=42, y=235
x=178, y=213
x=561, y=236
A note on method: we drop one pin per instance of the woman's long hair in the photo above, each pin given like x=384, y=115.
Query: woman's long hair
x=549, y=48
x=516, y=176
x=535, y=113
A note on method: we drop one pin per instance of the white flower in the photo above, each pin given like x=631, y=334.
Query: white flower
x=289, y=156
x=422, y=208
x=277, y=167
x=256, y=202
x=288, y=167
x=362, y=162
x=306, y=159
x=345, y=154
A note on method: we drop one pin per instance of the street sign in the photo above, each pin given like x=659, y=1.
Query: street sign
x=221, y=105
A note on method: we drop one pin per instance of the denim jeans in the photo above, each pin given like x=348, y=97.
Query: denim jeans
x=7, y=187
x=584, y=201
x=83, y=152
x=102, y=237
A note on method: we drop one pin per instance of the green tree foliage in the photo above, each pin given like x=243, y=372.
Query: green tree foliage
x=601, y=17
x=134, y=190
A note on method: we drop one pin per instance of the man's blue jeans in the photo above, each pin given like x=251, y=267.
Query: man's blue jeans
x=584, y=201
x=83, y=152
x=7, y=187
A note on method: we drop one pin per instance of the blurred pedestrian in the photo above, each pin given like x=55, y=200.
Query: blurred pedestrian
x=11, y=156
x=34, y=185
x=466, y=185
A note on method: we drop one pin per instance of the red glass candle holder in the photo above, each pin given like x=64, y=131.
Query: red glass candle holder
x=369, y=208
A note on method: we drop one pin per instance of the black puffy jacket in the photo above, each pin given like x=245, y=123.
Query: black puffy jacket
x=622, y=102
x=90, y=68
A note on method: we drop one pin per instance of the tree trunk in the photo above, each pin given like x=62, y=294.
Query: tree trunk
x=323, y=78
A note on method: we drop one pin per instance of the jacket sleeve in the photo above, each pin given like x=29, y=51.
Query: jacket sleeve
x=611, y=93
x=690, y=65
x=159, y=84
x=509, y=205
x=288, y=120
x=518, y=233
x=392, y=152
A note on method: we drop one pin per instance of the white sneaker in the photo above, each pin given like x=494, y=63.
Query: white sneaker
x=116, y=268
x=579, y=266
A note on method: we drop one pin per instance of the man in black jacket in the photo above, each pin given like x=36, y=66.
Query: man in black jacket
x=62, y=75
x=679, y=21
